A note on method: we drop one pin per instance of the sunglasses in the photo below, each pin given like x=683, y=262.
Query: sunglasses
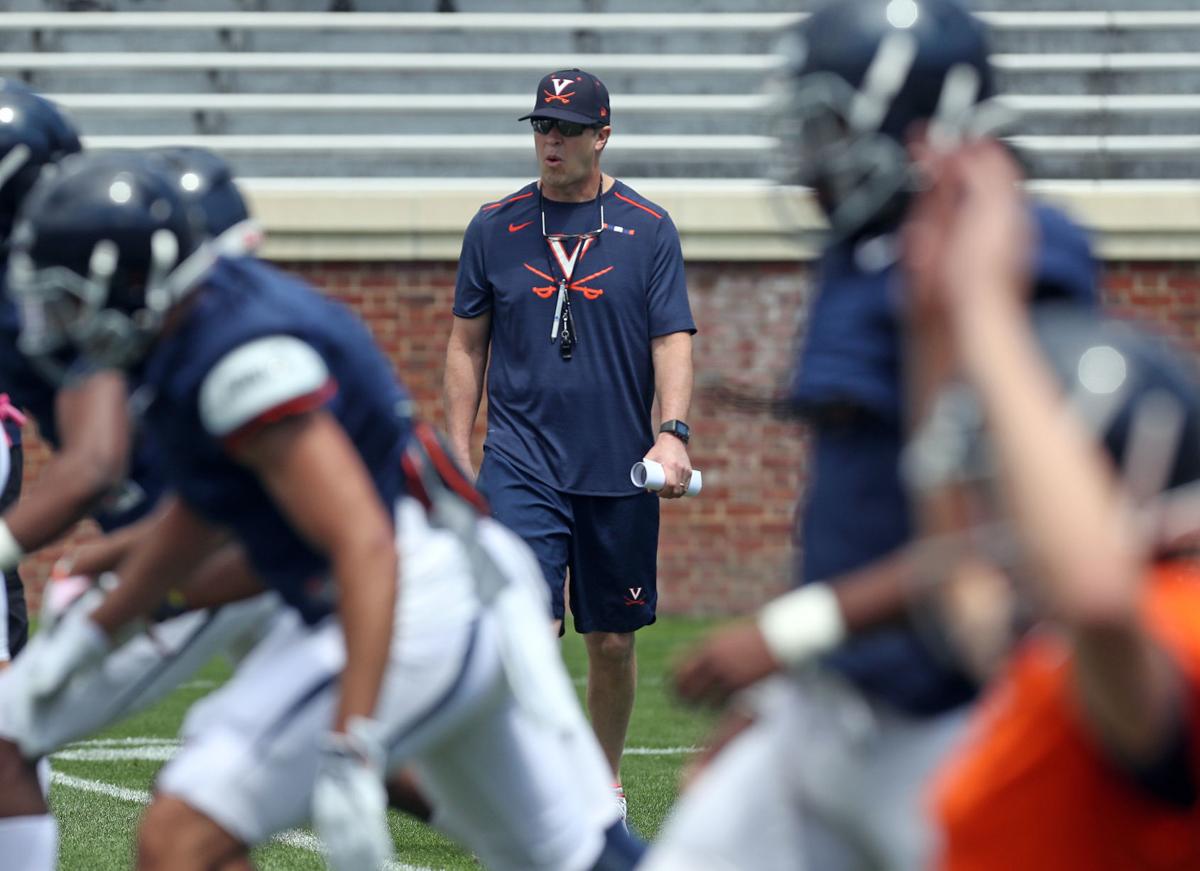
x=566, y=128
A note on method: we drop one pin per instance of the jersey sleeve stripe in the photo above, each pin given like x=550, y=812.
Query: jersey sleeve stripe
x=523, y=196
x=294, y=407
x=637, y=205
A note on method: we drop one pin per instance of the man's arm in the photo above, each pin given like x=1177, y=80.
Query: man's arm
x=466, y=362
x=797, y=626
x=93, y=425
x=172, y=541
x=1067, y=510
x=672, y=355
x=318, y=481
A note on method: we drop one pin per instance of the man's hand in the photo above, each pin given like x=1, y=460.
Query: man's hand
x=349, y=804
x=671, y=453
x=969, y=235
x=462, y=458
x=53, y=657
x=730, y=660
x=74, y=643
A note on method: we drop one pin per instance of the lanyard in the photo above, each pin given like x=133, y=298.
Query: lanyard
x=562, y=328
x=562, y=308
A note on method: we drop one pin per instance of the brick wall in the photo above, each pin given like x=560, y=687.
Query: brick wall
x=729, y=549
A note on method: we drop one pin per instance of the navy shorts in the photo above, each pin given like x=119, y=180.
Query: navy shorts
x=609, y=544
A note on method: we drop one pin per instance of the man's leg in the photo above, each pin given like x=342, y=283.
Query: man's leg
x=175, y=837
x=28, y=833
x=614, y=553
x=611, y=690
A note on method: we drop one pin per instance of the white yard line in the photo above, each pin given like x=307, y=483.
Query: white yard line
x=198, y=685
x=162, y=749
x=137, y=796
x=661, y=751
x=293, y=838
x=129, y=753
x=137, y=741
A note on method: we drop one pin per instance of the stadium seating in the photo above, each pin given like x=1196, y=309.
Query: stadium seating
x=1108, y=88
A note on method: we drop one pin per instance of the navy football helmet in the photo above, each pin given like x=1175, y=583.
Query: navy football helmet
x=104, y=247
x=859, y=76
x=206, y=181
x=33, y=133
x=1137, y=396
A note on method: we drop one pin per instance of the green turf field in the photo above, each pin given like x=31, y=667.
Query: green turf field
x=100, y=785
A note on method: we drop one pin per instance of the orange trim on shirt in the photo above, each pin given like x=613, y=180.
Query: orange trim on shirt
x=491, y=206
x=291, y=408
x=637, y=204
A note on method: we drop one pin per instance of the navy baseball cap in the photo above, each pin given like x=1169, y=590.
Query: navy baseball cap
x=571, y=95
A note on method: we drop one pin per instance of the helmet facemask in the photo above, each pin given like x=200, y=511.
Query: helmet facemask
x=845, y=143
x=111, y=315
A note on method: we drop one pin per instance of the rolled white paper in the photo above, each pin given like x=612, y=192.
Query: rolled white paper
x=649, y=475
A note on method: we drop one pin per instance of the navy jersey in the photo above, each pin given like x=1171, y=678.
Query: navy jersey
x=576, y=424
x=32, y=393
x=255, y=346
x=848, y=385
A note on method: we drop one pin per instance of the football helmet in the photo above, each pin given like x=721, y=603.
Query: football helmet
x=858, y=77
x=33, y=133
x=206, y=182
x=104, y=247
x=1137, y=396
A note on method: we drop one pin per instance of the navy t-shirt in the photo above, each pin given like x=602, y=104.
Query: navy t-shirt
x=577, y=424
x=849, y=386
x=257, y=345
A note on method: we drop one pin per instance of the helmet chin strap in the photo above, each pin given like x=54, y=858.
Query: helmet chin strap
x=13, y=162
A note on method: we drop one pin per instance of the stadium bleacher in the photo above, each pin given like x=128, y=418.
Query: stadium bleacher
x=1108, y=88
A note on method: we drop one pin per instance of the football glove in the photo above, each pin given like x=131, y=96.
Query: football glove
x=349, y=804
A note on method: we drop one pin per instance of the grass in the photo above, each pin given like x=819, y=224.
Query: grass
x=97, y=829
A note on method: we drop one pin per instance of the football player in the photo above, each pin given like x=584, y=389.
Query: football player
x=281, y=425
x=1084, y=752
x=828, y=773
x=83, y=418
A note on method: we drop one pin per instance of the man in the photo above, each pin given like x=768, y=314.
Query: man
x=282, y=428
x=573, y=289
x=91, y=472
x=1084, y=753
x=834, y=760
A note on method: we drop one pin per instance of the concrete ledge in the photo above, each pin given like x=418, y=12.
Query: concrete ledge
x=417, y=219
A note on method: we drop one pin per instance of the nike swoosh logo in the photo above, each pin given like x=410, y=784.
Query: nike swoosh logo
x=512, y=228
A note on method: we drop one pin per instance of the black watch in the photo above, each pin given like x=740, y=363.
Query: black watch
x=677, y=428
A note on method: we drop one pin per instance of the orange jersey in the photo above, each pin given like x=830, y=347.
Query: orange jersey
x=1031, y=790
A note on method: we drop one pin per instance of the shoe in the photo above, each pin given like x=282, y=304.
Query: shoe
x=619, y=791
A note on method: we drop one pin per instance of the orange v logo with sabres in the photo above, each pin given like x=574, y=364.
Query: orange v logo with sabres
x=560, y=85
x=568, y=266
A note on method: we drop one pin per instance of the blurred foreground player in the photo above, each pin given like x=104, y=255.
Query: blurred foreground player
x=829, y=775
x=1085, y=753
x=83, y=416
x=282, y=426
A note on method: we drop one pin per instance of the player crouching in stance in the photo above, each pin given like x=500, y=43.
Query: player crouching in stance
x=1085, y=752
x=91, y=471
x=282, y=427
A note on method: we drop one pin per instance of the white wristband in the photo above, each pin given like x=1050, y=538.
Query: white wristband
x=10, y=550
x=804, y=623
